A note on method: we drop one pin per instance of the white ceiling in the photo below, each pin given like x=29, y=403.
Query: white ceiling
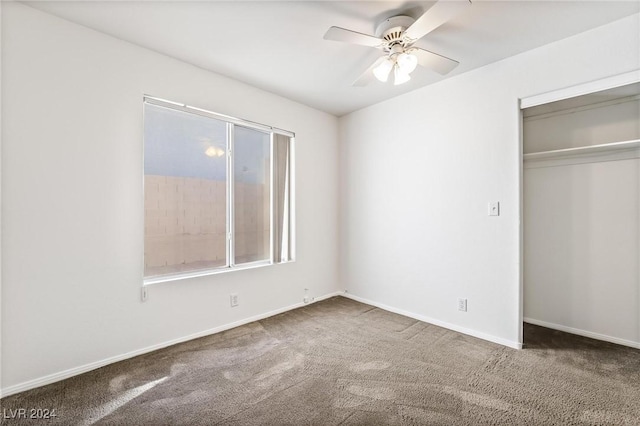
x=278, y=46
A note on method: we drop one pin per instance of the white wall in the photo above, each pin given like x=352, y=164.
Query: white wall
x=72, y=231
x=417, y=172
x=581, y=249
x=581, y=223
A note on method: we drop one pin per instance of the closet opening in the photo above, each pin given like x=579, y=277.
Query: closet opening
x=581, y=219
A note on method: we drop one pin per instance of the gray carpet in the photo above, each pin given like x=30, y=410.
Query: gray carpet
x=343, y=362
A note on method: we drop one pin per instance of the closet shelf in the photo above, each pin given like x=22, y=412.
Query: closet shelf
x=606, y=147
x=586, y=154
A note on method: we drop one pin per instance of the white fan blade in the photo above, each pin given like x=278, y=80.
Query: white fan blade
x=437, y=15
x=367, y=77
x=348, y=36
x=433, y=61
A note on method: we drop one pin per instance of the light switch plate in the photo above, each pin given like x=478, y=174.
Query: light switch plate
x=494, y=208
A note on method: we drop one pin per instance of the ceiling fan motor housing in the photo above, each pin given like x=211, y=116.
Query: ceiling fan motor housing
x=392, y=30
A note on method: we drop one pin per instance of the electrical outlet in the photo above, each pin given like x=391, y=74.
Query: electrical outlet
x=494, y=208
x=305, y=299
x=143, y=294
x=462, y=305
x=233, y=298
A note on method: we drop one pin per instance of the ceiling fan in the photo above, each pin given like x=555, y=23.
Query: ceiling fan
x=396, y=37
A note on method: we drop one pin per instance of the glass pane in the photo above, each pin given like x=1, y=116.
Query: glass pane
x=185, y=192
x=251, y=180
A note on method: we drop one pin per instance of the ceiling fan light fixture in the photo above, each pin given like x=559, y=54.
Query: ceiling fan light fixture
x=383, y=70
x=407, y=62
x=396, y=37
x=399, y=76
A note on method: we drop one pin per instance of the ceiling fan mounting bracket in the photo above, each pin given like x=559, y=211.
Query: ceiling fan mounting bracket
x=392, y=29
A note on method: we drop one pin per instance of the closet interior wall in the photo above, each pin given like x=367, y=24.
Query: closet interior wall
x=582, y=215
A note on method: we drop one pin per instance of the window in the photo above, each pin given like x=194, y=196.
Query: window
x=218, y=193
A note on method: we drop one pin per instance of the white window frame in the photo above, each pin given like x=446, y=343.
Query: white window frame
x=231, y=122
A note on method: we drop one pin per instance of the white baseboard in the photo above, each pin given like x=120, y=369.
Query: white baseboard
x=443, y=324
x=56, y=377
x=327, y=296
x=584, y=333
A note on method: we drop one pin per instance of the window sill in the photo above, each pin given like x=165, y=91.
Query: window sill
x=204, y=273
